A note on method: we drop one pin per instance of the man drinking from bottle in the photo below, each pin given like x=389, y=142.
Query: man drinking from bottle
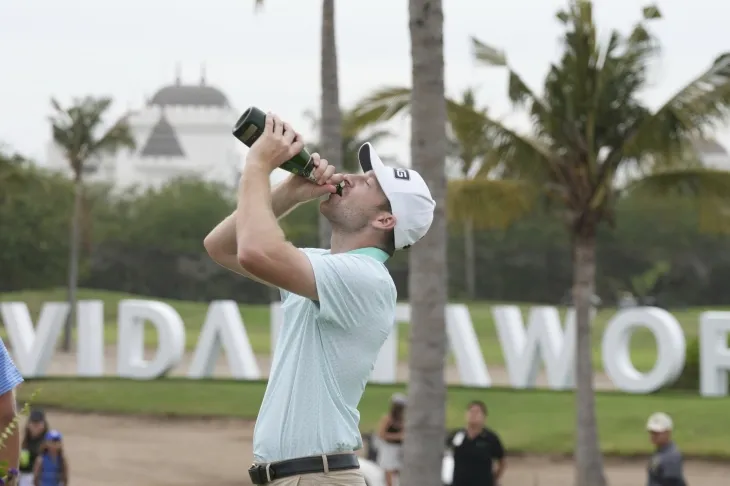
x=338, y=304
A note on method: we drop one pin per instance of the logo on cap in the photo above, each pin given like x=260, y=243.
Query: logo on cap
x=401, y=174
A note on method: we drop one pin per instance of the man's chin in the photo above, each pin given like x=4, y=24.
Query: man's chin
x=329, y=206
x=325, y=206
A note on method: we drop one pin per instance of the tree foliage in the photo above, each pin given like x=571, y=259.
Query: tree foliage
x=35, y=207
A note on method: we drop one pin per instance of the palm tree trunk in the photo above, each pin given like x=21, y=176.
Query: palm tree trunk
x=589, y=461
x=73, y=267
x=469, y=260
x=331, y=118
x=425, y=420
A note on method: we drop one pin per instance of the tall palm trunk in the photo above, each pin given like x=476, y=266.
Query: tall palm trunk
x=331, y=118
x=469, y=260
x=589, y=461
x=425, y=420
x=73, y=265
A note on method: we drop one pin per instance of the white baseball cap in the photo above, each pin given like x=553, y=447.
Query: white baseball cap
x=659, y=422
x=408, y=194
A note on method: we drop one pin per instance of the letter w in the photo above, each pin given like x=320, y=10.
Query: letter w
x=544, y=340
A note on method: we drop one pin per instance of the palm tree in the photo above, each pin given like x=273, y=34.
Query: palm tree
x=428, y=271
x=330, y=137
x=353, y=137
x=469, y=146
x=77, y=130
x=590, y=129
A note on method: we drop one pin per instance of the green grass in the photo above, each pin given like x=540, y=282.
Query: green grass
x=256, y=320
x=528, y=420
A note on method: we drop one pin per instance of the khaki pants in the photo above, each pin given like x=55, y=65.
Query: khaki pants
x=349, y=477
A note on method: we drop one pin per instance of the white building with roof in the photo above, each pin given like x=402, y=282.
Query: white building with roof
x=184, y=130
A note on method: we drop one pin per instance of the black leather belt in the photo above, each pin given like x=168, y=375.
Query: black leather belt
x=265, y=473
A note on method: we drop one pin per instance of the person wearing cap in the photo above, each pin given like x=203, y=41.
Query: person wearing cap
x=10, y=378
x=338, y=304
x=33, y=437
x=51, y=467
x=390, y=433
x=479, y=458
x=665, y=465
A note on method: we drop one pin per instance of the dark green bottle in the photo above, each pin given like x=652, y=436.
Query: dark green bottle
x=249, y=128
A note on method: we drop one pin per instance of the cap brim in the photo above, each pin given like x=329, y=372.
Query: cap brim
x=369, y=160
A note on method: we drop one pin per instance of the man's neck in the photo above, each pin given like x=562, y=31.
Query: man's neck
x=664, y=446
x=344, y=242
x=474, y=430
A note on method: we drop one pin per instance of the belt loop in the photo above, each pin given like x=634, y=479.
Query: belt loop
x=325, y=463
x=268, y=472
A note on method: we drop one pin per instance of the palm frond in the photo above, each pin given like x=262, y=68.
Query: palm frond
x=694, y=111
x=709, y=188
x=75, y=129
x=668, y=135
x=488, y=55
x=696, y=182
x=381, y=106
x=390, y=101
x=117, y=137
x=522, y=156
x=651, y=12
x=519, y=91
x=521, y=95
x=489, y=204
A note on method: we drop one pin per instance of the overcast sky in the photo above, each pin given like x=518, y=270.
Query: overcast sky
x=67, y=48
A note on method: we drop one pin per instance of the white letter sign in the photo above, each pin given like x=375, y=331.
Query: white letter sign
x=224, y=328
x=33, y=348
x=90, y=337
x=714, y=353
x=670, y=349
x=544, y=339
x=170, y=339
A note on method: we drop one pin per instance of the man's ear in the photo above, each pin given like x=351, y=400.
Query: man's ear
x=385, y=221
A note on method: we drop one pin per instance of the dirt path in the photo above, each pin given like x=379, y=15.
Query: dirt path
x=65, y=364
x=116, y=451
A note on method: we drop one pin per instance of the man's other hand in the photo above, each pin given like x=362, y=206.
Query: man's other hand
x=302, y=190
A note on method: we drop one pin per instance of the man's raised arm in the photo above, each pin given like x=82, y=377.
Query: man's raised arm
x=221, y=242
x=262, y=248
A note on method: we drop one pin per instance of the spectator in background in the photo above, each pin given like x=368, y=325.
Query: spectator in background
x=665, y=465
x=9, y=379
x=35, y=433
x=51, y=468
x=390, y=432
x=477, y=450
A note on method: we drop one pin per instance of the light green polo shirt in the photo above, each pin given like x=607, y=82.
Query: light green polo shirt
x=325, y=353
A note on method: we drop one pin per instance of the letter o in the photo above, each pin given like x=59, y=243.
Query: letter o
x=670, y=349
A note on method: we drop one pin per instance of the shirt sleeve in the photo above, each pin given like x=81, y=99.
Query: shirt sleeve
x=9, y=375
x=350, y=286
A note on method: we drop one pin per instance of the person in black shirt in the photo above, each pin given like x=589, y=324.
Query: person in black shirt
x=478, y=452
x=665, y=465
x=33, y=437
